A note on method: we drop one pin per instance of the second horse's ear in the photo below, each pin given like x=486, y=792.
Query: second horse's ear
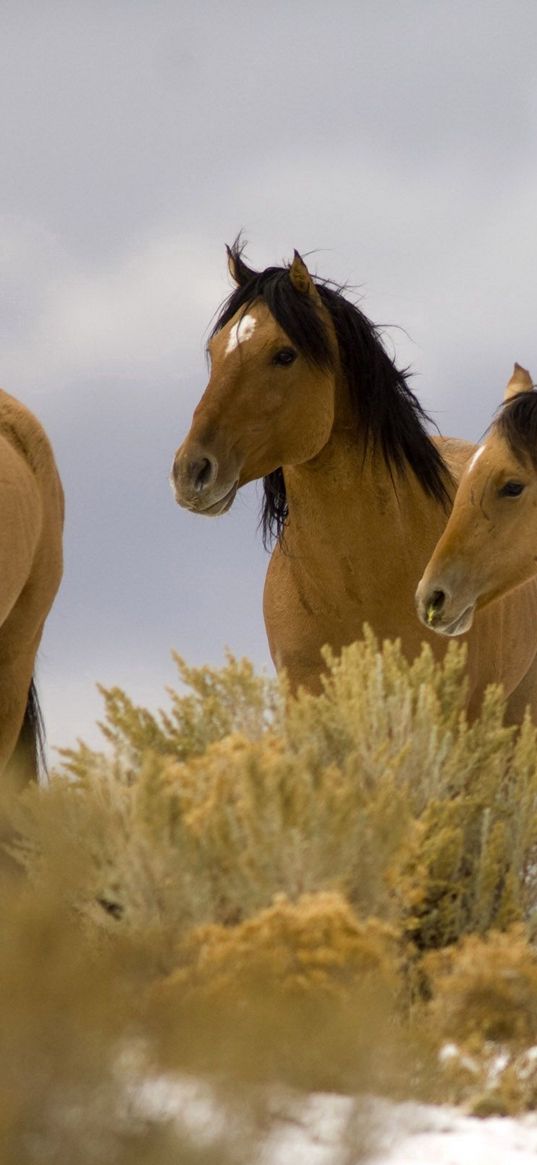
x=520, y=382
x=238, y=269
x=301, y=278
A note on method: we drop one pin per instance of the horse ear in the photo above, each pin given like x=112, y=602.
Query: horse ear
x=301, y=278
x=238, y=269
x=520, y=382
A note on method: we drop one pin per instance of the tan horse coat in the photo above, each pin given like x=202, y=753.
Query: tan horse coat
x=358, y=533
x=31, y=515
x=362, y=566
x=489, y=546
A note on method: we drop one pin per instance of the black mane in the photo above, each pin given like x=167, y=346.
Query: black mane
x=387, y=411
x=517, y=424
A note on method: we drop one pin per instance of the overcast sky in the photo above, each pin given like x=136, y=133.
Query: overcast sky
x=396, y=140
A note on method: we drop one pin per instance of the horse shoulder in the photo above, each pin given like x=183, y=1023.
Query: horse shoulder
x=295, y=631
x=277, y=601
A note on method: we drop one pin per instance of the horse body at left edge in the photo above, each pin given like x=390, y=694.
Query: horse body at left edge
x=31, y=564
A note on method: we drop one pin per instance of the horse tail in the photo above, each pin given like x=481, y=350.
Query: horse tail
x=29, y=757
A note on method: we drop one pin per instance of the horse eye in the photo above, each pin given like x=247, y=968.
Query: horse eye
x=284, y=356
x=511, y=489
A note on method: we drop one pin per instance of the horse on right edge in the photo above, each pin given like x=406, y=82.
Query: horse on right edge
x=489, y=547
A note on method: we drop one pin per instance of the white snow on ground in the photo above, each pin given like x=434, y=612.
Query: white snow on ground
x=323, y=1129
x=397, y=1134
x=415, y=1134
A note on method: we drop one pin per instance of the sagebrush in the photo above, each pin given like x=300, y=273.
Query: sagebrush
x=300, y=876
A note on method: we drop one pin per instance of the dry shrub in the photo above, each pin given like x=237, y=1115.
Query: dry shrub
x=86, y=1016
x=67, y=1018
x=310, y=989
x=486, y=989
x=213, y=703
x=265, y=877
x=316, y=945
x=378, y=788
x=484, y=1005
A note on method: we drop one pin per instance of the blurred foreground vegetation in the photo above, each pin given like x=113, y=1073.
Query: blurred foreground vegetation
x=333, y=893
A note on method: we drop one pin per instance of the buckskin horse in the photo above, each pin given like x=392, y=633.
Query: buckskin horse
x=31, y=516
x=489, y=546
x=303, y=394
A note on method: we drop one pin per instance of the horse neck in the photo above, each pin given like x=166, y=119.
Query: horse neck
x=346, y=502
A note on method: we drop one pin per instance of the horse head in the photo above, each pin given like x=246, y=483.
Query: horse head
x=489, y=545
x=270, y=397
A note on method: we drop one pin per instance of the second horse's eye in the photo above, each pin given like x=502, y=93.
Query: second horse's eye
x=511, y=489
x=284, y=356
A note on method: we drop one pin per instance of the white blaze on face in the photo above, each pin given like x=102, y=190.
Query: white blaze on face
x=246, y=326
x=475, y=458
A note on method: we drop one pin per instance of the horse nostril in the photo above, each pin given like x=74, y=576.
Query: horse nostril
x=202, y=472
x=434, y=604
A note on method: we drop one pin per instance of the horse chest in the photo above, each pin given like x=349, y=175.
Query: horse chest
x=306, y=609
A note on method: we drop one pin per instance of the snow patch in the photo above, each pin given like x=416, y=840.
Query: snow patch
x=326, y=1129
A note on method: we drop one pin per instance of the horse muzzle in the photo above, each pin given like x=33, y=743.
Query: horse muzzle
x=441, y=612
x=199, y=484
